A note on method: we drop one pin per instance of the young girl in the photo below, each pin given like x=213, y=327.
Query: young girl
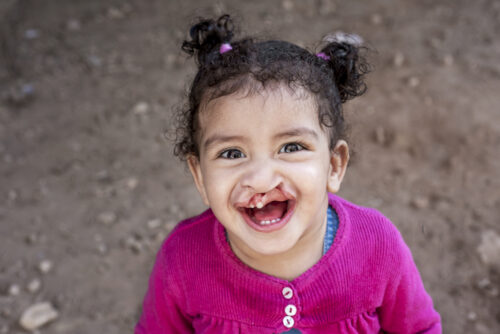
x=278, y=252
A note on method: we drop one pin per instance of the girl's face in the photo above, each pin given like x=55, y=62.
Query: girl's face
x=265, y=167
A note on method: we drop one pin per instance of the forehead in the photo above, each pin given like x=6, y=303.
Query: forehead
x=279, y=103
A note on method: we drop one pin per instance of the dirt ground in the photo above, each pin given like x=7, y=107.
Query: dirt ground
x=89, y=188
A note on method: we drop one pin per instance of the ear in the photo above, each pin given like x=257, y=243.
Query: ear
x=195, y=169
x=338, y=165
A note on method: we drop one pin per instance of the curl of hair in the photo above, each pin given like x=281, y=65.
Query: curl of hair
x=349, y=68
x=207, y=35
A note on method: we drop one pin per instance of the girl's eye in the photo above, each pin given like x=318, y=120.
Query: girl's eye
x=291, y=147
x=232, y=154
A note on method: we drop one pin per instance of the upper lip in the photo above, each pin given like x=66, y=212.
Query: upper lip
x=276, y=194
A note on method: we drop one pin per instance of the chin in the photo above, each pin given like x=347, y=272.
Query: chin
x=272, y=247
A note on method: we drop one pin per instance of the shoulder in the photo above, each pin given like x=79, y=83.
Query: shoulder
x=370, y=230
x=193, y=227
x=191, y=233
x=366, y=219
x=189, y=243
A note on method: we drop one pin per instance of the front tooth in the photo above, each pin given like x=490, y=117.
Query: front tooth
x=252, y=206
x=264, y=222
x=260, y=205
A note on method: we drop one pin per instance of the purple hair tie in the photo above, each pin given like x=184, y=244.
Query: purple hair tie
x=225, y=47
x=323, y=56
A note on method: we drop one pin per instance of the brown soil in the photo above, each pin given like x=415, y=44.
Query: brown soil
x=87, y=181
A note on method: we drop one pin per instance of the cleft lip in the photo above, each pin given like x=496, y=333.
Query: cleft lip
x=260, y=200
x=247, y=209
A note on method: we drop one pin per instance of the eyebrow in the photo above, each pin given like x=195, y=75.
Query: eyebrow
x=217, y=138
x=296, y=132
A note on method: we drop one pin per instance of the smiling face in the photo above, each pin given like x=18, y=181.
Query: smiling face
x=264, y=169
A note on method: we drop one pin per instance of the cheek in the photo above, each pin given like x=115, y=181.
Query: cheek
x=313, y=173
x=218, y=185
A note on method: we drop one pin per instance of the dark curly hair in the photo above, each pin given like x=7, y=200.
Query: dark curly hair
x=333, y=77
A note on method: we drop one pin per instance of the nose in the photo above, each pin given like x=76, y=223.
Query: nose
x=261, y=175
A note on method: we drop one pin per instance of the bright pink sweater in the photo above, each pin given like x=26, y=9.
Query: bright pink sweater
x=366, y=283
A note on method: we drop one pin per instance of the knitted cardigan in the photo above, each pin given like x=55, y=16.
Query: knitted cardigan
x=367, y=282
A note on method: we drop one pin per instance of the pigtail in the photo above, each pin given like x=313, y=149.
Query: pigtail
x=207, y=36
x=349, y=67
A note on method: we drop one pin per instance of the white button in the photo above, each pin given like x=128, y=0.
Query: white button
x=288, y=321
x=287, y=293
x=290, y=310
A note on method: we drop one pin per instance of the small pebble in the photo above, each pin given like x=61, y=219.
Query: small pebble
x=399, y=59
x=134, y=244
x=14, y=290
x=132, y=183
x=73, y=25
x=94, y=61
x=154, y=223
x=27, y=89
x=115, y=13
x=483, y=283
x=34, y=285
x=472, y=316
x=45, y=266
x=141, y=108
x=12, y=195
x=38, y=315
x=448, y=60
x=107, y=217
x=376, y=19
x=31, y=34
x=287, y=5
x=489, y=248
x=420, y=202
x=413, y=82
x=102, y=248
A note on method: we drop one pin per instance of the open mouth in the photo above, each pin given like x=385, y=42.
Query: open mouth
x=270, y=216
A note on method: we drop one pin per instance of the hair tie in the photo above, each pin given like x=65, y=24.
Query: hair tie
x=342, y=37
x=323, y=56
x=225, y=47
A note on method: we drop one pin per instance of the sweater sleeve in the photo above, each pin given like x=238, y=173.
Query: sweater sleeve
x=407, y=308
x=162, y=311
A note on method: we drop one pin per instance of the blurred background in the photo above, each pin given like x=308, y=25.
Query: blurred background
x=89, y=187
